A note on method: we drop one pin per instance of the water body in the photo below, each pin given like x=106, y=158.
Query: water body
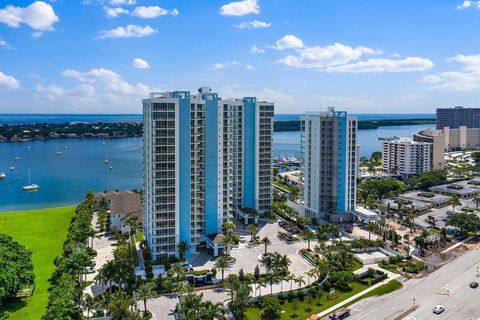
x=62, y=118
x=64, y=179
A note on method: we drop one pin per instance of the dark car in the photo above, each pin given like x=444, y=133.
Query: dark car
x=474, y=285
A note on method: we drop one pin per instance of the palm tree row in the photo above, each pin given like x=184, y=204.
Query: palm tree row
x=191, y=306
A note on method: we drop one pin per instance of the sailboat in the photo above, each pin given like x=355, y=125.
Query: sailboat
x=58, y=152
x=30, y=186
x=106, y=159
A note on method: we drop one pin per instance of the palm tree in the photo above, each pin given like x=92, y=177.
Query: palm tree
x=190, y=306
x=178, y=271
x=228, y=241
x=299, y=281
x=182, y=250
x=241, y=300
x=411, y=215
x=477, y=201
x=222, y=263
x=271, y=278
x=309, y=235
x=102, y=300
x=252, y=228
x=261, y=283
x=454, y=202
x=266, y=242
x=228, y=227
x=87, y=303
x=291, y=277
x=371, y=226
x=120, y=305
x=145, y=292
x=213, y=311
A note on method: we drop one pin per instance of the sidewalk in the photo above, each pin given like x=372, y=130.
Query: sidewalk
x=391, y=276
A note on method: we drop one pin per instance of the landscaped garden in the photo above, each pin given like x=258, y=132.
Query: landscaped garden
x=43, y=232
x=305, y=305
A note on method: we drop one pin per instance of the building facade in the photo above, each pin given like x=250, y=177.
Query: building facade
x=457, y=117
x=406, y=157
x=437, y=141
x=330, y=155
x=204, y=157
x=452, y=139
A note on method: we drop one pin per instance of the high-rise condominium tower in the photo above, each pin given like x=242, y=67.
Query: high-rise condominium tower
x=330, y=153
x=457, y=117
x=204, y=157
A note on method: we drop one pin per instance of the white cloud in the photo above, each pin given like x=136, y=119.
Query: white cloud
x=92, y=90
x=255, y=24
x=256, y=49
x=288, y=41
x=321, y=57
x=39, y=16
x=140, y=64
x=249, y=67
x=5, y=45
x=37, y=34
x=149, y=12
x=224, y=65
x=122, y=2
x=466, y=79
x=130, y=31
x=115, y=12
x=240, y=8
x=342, y=58
x=465, y=4
x=9, y=82
x=408, y=64
x=218, y=66
x=141, y=12
x=108, y=80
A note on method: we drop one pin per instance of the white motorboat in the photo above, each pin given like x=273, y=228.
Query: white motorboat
x=30, y=186
x=12, y=168
x=16, y=158
x=2, y=175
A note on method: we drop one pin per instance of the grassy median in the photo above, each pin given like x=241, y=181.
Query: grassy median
x=43, y=232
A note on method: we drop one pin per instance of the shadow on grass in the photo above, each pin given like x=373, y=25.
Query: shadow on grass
x=10, y=306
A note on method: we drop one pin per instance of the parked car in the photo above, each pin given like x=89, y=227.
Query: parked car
x=186, y=266
x=474, y=285
x=438, y=309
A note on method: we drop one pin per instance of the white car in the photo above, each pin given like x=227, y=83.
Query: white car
x=438, y=309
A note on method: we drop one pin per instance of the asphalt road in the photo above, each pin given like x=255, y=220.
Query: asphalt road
x=463, y=303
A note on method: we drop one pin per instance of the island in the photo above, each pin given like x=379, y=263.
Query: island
x=108, y=130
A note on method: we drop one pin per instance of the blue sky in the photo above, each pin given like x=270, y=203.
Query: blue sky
x=103, y=56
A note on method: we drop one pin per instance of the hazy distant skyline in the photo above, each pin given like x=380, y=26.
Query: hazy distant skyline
x=103, y=56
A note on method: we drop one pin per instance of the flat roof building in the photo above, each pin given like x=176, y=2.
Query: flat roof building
x=330, y=154
x=406, y=157
x=463, y=189
x=457, y=117
x=204, y=157
x=453, y=139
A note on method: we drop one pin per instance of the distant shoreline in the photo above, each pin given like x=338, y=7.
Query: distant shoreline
x=294, y=125
x=112, y=130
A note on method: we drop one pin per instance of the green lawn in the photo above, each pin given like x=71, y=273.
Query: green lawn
x=43, y=232
x=388, y=287
x=254, y=313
